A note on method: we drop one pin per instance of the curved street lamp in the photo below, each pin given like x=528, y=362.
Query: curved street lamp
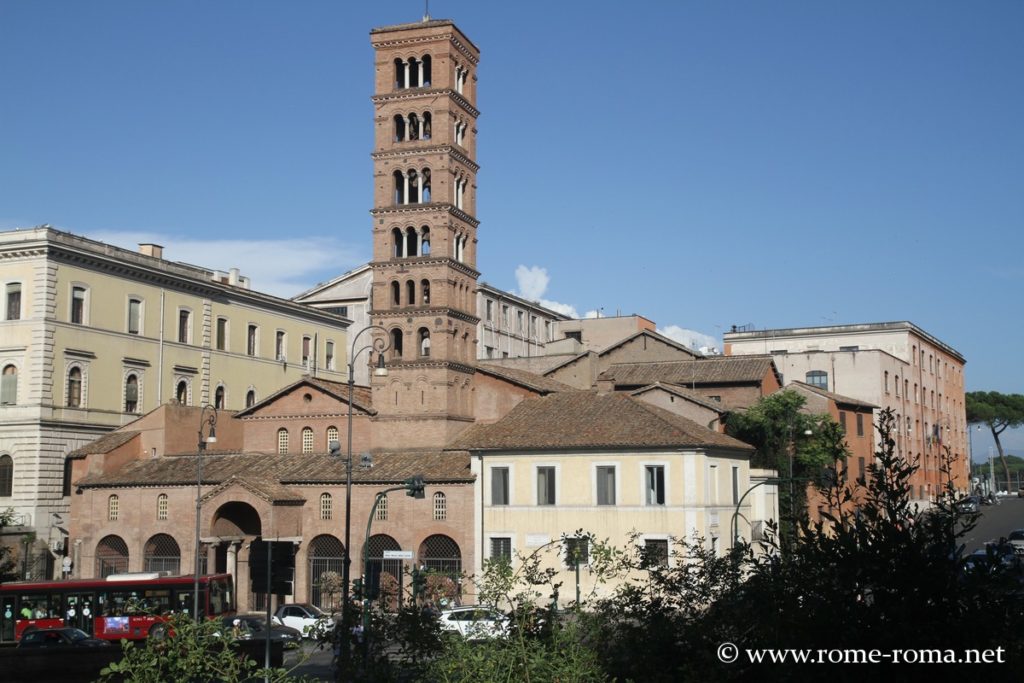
x=204, y=419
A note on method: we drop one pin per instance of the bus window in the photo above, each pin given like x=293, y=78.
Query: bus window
x=35, y=606
x=184, y=602
x=156, y=601
x=7, y=617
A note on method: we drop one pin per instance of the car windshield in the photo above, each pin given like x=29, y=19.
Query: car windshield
x=76, y=635
x=315, y=611
x=1017, y=535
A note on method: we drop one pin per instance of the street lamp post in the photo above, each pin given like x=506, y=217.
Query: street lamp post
x=380, y=345
x=204, y=419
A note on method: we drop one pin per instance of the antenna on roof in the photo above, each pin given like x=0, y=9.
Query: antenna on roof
x=426, y=10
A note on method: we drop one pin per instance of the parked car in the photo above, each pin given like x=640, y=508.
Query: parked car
x=1016, y=539
x=969, y=504
x=251, y=627
x=59, y=637
x=306, y=618
x=474, y=622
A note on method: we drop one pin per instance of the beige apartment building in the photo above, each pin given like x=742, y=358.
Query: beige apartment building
x=894, y=365
x=94, y=336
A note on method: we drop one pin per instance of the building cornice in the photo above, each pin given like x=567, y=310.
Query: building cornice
x=404, y=209
x=426, y=93
x=451, y=150
x=423, y=261
x=425, y=313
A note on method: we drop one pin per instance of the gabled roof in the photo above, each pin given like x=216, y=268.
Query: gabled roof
x=539, y=365
x=269, y=491
x=524, y=378
x=838, y=398
x=683, y=393
x=654, y=335
x=320, y=286
x=104, y=444
x=271, y=470
x=575, y=420
x=362, y=397
x=707, y=370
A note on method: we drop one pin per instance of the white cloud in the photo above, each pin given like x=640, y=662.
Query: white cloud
x=282, y=267
x=532, y=282
x=692, y=338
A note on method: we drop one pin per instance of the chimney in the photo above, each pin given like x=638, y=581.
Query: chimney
x=154, y=250
x=233, y=276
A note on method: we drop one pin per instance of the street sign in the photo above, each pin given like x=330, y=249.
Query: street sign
x=397, y=554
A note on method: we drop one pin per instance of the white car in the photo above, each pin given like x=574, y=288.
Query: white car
x=306, y=618
x=474, y=622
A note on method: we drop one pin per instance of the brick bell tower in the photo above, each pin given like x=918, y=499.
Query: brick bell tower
x=424, y=230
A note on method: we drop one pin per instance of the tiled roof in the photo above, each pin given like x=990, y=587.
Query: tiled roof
x=272, y=470
x=530, y=380
x=716, y=370
x=104, y=444
x=267, y=490
x=589, y=419
x=685, y=393
x=838, y=398
x=361, y=396
x=535, y=364
x=654, y=335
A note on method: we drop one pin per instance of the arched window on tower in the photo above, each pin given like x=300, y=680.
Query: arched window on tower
x=425, y=131
x=425, y=189
x=425, y=78
x=396, y=294
x=425, y=241
x=397, y=242
x=410, y=292
x=425, y=289
x=401, y=188
x=396, y=343
x=400, y=73
x=411, y=239
x=424, y=341
x=414, y=126
x=400, y=129
x=413, y=188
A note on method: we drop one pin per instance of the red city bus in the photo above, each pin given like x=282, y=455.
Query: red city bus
x=132, y=606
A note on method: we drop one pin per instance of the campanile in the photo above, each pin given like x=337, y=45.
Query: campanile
x=424, y=230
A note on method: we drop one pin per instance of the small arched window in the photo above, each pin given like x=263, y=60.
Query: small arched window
x=250, y=398
x=6, y=476
x=326, y=506
x=424, y=341
x=9, y=386
x=425, y=241
x=382, y=510
x=131, y=394
x=440, y=506
x=161, y=506
x=282, y=441
x=411, y=242
x=75, y=387
x=399, y=243
x=396, y=343
x=818, y=378
x=410, y=292
x=396, y=294
x=332, y=435
x=181, y=392
x=218, y=398
x=425, y=289
x=399, y=128
x=113, y=508
x=307, y=439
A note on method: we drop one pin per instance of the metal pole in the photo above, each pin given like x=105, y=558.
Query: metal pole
x=212, y=421
x=270, y=592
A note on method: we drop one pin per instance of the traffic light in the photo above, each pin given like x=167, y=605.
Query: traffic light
x=282, y=566
x=419, y=582
x=414, y=486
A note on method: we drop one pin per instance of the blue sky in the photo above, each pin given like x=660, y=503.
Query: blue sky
x=702, y=164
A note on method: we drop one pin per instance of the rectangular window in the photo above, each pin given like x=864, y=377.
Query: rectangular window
x=279, y=346
x=545, y=486
x=78, y=305
x=735, y=485
x=654, y=484
x=489, y=351
x=606, y=485
x=499, y=486
x=576, y=552
x=519, y=322
x=305, y=350
x=250, y=340
x=655, y=552
x=842, y=420
x=504, y=316
x=222, y=334
x=712, y=484
x=184, y=324
x=861, y=468
x=533, y=326
x=14, y=301
x=860, y=424
x=329, y=357
x=501, y=548
x=134, y=316
x=489, y=310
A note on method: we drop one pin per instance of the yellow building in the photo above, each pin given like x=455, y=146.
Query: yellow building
x=92, y=336
x=608, y=464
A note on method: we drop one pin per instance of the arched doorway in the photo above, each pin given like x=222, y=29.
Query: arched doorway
x=236, y=524
x=111, y=556
x=384, y=575
x=161, y=554
x=326, y=568
x=441, y=557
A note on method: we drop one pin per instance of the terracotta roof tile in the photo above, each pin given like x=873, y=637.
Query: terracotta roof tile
x=683, y=392
x=524, y=378
x=714, y=370
x=588, y=419
x=838, y=398
x=104, y=444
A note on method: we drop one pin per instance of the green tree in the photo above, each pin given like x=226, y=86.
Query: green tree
x=8, y=566
x=999, y=412
x=796, y=444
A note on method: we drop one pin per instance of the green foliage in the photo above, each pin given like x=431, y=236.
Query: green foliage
x=193, y=652
x=8, y=565
x=777, y=428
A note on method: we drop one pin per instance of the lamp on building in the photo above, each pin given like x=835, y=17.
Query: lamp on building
x=204, y=419
x=380, y=345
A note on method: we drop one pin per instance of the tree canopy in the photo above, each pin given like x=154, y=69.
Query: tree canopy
x=998, y=412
